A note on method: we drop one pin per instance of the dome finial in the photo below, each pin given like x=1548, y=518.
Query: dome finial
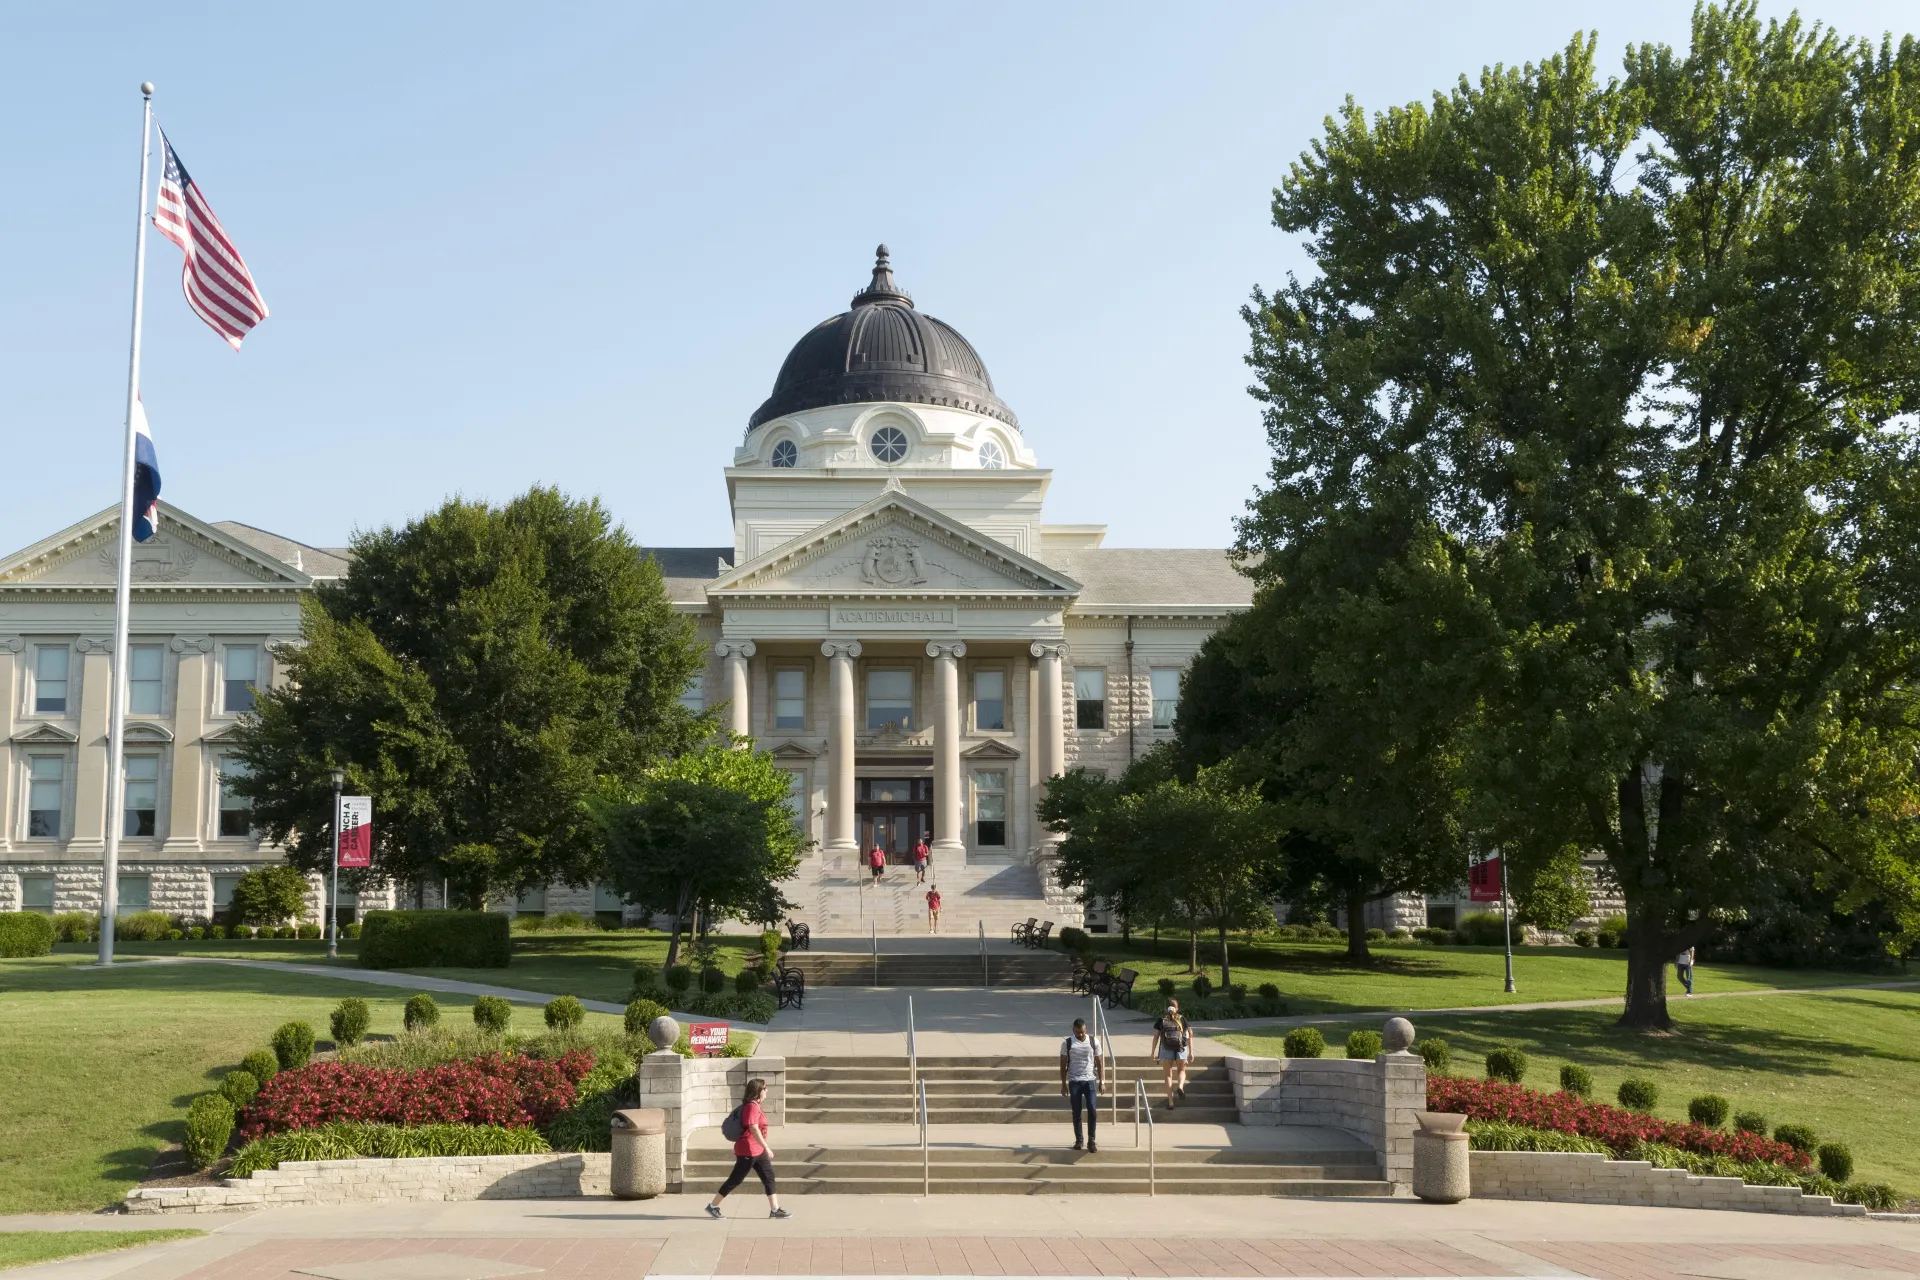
x=882, y=288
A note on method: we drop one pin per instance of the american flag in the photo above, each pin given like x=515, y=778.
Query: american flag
x=217, y=283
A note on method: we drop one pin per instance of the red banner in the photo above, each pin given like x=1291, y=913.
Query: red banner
x=707, y=1037
x=356, y=831
x=1484, y=880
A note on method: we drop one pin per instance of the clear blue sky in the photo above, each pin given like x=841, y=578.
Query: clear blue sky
x=508, y=244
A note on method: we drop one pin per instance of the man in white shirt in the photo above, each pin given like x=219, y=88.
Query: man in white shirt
x=1080, y=1079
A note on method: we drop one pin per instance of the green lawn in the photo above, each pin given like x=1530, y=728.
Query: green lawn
x=1316, y=977
x=101, y=1065
x=24, y=1248
x=1847, y=1063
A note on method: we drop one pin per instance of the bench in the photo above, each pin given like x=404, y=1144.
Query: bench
x=799, y=936
x=1087, y=977
x=790, y=987
x=1119, y=988
x=1021, y=932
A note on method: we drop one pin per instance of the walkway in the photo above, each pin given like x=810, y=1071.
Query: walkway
x=1005, y=1235
x=951, y=1022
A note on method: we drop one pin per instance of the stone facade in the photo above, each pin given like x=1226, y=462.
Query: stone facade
x=562, y=1175
x=1594, y=1179
x=1375, y=1101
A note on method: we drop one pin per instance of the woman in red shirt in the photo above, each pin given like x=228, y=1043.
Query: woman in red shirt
x=750, y=1151
x=933, y=909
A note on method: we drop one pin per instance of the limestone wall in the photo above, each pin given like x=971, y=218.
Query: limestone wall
x=1375, y=1101
x=699, y=1093
x=560, y=1175
x=1594, y=1179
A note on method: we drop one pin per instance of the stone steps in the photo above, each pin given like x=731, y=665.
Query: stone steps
x=838, y=898
x=992, y=1091
x=1039, y=970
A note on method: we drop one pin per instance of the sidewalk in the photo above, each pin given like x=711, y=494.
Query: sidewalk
x=950, y=1022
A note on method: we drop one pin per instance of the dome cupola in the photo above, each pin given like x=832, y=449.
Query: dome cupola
x=883, y=349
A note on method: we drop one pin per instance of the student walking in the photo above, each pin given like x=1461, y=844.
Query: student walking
x=921, y=852
x=1173, y=1046
x=750, y=1151
x=1080, y=1080
x=1683, y=965
x=878, y=861
x=933, y=909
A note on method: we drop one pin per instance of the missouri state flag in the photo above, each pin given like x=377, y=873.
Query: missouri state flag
x=146, y=477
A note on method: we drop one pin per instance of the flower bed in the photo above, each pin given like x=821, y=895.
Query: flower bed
x=508, y=1090
x=1619, y=1129
x=384, y=1141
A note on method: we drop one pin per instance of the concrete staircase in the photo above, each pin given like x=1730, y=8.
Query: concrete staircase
x=1036, y=970
x=837, y=897
x=986, y=1091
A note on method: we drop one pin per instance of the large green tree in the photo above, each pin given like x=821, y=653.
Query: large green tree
x=1643, y=355
x=477, y=672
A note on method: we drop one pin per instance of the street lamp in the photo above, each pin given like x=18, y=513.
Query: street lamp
x=333, y=912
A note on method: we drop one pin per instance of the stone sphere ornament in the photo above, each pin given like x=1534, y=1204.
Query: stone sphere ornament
x=1396, y=1035
x=663, y=1031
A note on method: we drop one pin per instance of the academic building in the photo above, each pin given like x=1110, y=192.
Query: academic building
x=895, y=620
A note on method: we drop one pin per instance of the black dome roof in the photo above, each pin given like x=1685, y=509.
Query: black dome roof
x=883, y=349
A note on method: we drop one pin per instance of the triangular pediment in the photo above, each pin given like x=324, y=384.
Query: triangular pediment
x=185, y=553
x=894, y=545
x=991, y=749
x=793, y=751
x=49, y=733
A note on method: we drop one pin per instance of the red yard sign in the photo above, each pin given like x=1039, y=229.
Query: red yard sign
x=1483, y=880
x=707, y=1037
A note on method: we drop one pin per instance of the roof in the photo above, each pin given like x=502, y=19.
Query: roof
x=1154, y=578
x=688, y=570
x=317, y=562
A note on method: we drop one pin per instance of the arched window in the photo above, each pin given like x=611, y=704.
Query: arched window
x=786, y=454
x=889, y=444
x=992, y=456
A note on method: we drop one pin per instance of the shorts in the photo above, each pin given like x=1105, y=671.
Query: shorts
x=1171, y=1055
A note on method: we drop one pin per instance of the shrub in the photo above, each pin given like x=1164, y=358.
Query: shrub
x=384, y=1141
x=240, y=931
x=1436, y=1053
x=500, y=1089
x=1751, y=1122
x=195, y=933
x=142, y=926
x=1639, y=1095
x=1484, y=929
x=713, y=980
x=1167, y=987
x=448, y=1042
x=1582, y=938
x=747, y=981
x=238, y=1087
x=679, y=977
x=216, y=932
x=421, y=1012
x=641, y=1013
x=1267, y=990
x=770, y=944
x=1836, y=1161
x=176, y=935
x=645, y=974
x=309, y=931
x=492, y=1013
x=25, y=933
x=1237, y=992
x=1507, y=1063
x=1073, y=939
x=293, y=1045
x=351, y=931
x=427, y=939
x=261, y=1065
x=1304, y=1042
x=1576, y=1080
x=1202, y=985
x=1401, y=935
x=285, y=931
x=350, y=1020
x=1496, y=1135
x=1710, y=1109
x=1439, y=937
x=1376, y=935
x=1612, y=932
x=1798, y=1136
x=209, y=1126
x=1363, y=1045
x=572, y=921
x=564, y=1013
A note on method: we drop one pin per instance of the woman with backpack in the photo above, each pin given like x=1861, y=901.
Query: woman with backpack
x=1173, y=1046
x=747, y=1126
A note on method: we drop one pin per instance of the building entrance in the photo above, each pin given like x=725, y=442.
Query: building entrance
x=895, y=813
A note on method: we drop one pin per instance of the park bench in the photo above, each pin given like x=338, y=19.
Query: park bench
x=790, y=987
x=1021, y=932
x=1037, y=938
x=1119, y=988
x=1087, y=977
x=799, y=936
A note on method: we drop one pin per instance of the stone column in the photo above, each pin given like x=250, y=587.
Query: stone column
x=736, y=653
x=91, y=787
x=842, y=836
x=949, y=810
x=10, y=662
x=189, y=819
x=1052, y=738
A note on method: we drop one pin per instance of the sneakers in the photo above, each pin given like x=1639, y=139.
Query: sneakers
x=713, y=1211
x=778, y=1213
x=1092, y=1147
x=1077, y=1144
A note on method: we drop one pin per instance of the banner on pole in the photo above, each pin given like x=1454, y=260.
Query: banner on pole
x=356, y=831
x=1484, y=879
x=707, y=1037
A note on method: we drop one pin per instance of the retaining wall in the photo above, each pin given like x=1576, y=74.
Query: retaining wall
x=700, y=1092
x=1375, y=1101
x=563, y=1175
x=1583, y=1178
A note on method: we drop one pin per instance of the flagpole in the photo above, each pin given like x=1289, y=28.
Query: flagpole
x=123, y=572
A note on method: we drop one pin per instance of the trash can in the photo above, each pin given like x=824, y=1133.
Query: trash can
x=1442, y=1172
x=639, y=1153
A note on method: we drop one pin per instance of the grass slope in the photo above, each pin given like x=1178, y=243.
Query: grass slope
x=101, y=1065
x=1847, y=1063
x=24, y=1248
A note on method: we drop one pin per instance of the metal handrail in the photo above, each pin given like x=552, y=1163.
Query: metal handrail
x=985, y=980
x=875, y=926
x=913, y=1051
x=1140, y=1103
x=1103, y=1033
x=926, y=1168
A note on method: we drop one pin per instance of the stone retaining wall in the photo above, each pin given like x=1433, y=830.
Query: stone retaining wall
x=700, y=1092
x=563, y=1175
x=1375, y=1101
x=1583, y=1178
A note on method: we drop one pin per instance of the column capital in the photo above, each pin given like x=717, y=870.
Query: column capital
x=735, y=648
x=1043, y=649
x=951, y=649
x=840, y=649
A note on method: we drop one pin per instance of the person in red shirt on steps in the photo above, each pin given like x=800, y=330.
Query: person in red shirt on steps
x=750, y=1151
x=877, y=860
x=933, y=909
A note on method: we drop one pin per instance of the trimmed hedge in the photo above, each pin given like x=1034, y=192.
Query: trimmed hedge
x=1710, y=1109
x=1304, y=1042
x=565, y=1013
x=261, y=1065
x=1576, y=1080
x=1363, y=1045
x=238, y=1087
x=1507, y=1063
x=1435, y=1052
x=492, y=1013
x=293, y=1045
x=25, y=933
x=420, y=1013
x=1639, y=1095
x=209, y=1126
x=429, y=939
x=349, y=1022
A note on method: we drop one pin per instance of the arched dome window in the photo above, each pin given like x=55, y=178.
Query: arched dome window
x=889, y=444
x=992, y=456
x=786, y=454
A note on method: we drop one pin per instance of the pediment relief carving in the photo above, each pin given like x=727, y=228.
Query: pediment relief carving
x=895, y=557
x=181, y=553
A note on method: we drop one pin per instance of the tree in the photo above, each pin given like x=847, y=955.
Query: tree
x=708, y=832
x=1551, y=894
x=268, y=896
x=477, y=672
x=1643, y=356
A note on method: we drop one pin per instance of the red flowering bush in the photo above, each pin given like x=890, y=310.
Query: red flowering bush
x=499, y=1089
x=1619, y=1129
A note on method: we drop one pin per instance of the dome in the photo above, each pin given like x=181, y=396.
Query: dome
x=883, y=349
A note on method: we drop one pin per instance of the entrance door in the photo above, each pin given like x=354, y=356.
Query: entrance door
x=895, y=813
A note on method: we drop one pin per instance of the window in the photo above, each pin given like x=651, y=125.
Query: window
x=797, y=797
x=136, y=894
x=890, y=700
x=36, y=894
x=607, y=898
x=142, y=797
x=531, y=902
x=1090, y=699
x=144, y=680
x=243, y=674
x=989, y=700
x=786, y=454
x=992, y=456
x=1166, y=695
x=694, y=696
x=990, y=808
x=236, y=811
x=889, y=444
x=46, y=793
x=223, y=889
x=790, y=698
x=50, y=679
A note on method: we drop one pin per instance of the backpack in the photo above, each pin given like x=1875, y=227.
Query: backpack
x=1172, y=1033
x=733, y=1128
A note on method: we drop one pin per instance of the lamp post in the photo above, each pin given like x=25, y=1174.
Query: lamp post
x=1506, y=920
x=333, y=908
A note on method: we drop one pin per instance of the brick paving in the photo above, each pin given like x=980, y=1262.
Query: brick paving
x=1614, y=1260
x=558, y=1259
